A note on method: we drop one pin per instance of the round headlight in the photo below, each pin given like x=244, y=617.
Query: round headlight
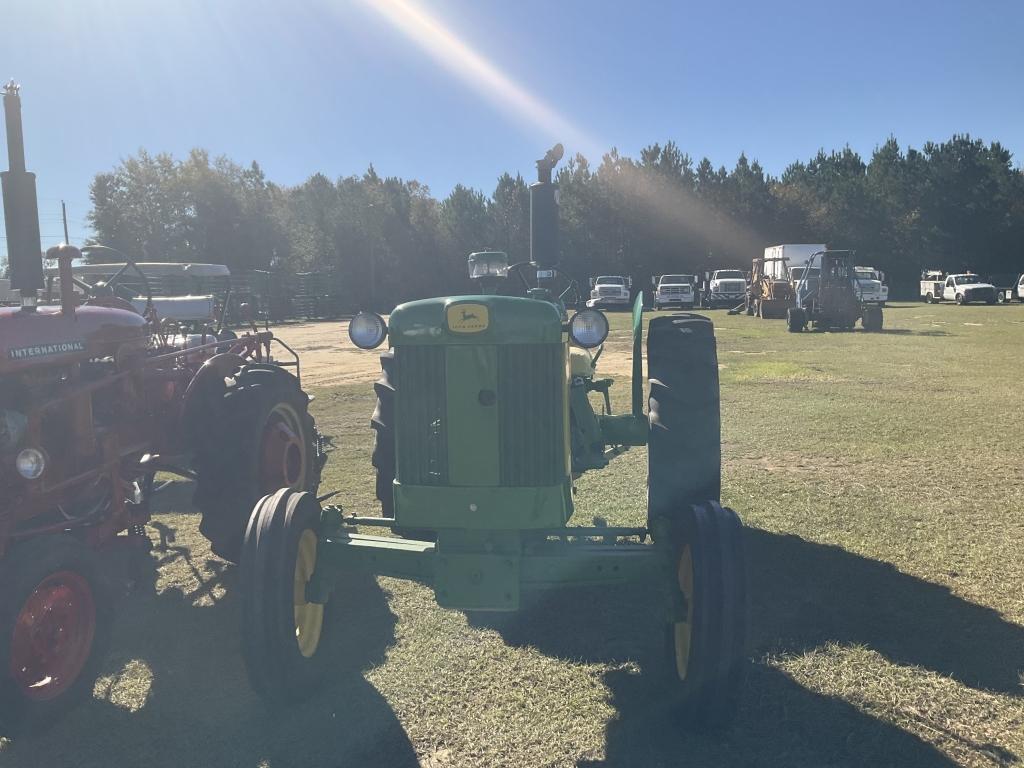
x=367, y=330
x=30, y=463
x=588, y=328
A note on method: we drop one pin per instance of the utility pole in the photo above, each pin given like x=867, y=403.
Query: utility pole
x=64, y=216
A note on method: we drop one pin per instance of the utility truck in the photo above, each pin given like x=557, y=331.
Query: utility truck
x=679, y=290
x=959, y=287
x=610, y=291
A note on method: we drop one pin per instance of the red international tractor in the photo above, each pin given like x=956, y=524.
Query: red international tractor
x=97, y=397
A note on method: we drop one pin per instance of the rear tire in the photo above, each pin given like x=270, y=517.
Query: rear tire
x=263, y=439
x=701, y=540
x=960, y=299
x=282, y=635
x=872, y=319
x=54, y=596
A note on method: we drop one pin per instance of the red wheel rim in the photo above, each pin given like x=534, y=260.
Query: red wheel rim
x=282, y=461
x=53, y=636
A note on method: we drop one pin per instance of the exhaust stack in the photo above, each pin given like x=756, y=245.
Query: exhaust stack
x=544, y=213
x=21, y=213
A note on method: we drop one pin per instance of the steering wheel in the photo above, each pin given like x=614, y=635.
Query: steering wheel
x=113, y=286
x=570, y=284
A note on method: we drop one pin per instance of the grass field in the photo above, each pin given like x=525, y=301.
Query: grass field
x=881, y=481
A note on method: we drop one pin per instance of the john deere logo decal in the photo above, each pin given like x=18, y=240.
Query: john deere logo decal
x=45, y=350
x=467, y=318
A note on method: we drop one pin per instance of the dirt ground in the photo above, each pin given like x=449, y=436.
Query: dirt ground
x=328, y=356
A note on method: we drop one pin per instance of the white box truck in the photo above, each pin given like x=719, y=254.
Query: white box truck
x=796, y=256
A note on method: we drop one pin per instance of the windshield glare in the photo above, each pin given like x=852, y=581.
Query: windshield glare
x=730, y=274
x=611, y=281
x=676, y=279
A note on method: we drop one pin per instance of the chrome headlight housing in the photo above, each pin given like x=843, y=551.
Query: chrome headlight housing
x=31, y=463
x=588, y=328
x=367, y=330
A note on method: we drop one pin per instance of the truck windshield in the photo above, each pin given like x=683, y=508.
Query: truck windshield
x=729, y=274
x=965, y=279
x=611, y=281
x=676, y=279
x=866, y=274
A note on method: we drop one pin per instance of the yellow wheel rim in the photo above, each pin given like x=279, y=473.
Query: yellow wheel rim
x=309, y=617
x=683, y=631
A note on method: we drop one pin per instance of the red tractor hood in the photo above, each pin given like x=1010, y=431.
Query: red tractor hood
x=48, y=337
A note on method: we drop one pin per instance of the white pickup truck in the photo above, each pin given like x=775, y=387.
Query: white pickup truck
x=963, y=288
x=610, y=291
x=675, y=289
x=727, y=288
x=870, y=286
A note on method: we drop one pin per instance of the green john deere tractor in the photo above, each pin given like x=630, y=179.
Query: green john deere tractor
x=483, y=423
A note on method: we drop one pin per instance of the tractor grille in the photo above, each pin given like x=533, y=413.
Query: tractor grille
x=420, y=406
x=531, y=419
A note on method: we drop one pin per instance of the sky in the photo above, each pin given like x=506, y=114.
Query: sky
x=450, y=91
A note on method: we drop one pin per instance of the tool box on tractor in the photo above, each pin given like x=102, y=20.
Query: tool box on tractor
x=482, y=425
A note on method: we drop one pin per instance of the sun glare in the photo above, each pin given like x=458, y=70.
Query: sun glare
x=443, y=45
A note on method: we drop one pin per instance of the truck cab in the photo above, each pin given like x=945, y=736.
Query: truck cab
x=727, y=288
x=871, y=286
x=609, y=291
x=675, y=289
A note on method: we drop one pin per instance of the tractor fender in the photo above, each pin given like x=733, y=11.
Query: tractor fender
x=638, y=360
x=206, y=386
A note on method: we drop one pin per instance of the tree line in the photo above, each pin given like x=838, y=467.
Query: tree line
x=949, y=205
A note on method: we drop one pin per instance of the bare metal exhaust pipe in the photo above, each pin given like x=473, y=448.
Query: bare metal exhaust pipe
x=21, y=211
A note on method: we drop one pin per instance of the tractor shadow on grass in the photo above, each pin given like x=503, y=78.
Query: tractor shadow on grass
x=803, y=596
x=177, y=692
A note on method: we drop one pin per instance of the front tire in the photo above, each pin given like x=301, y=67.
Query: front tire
x=282, y=633
x=700, y=539
x=795, y=320
x=707, y=627
x=960, y=299
x=55, y=614
x=263, y=439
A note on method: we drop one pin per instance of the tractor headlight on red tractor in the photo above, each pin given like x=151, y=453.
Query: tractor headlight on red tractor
x=588, y=328
x=367, y=330
x=31, y=463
